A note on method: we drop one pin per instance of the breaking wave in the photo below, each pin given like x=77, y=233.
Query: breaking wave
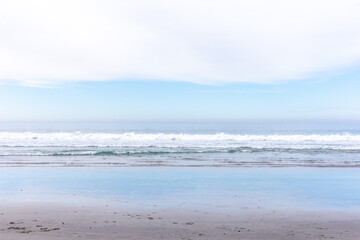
x=182, y=149
x=220, y=140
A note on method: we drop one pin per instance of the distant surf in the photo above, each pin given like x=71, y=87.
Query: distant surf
x=76, y=148
x=219, y=140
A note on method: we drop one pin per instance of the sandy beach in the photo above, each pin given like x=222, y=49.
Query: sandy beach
x=179, y=203
x=179, y=120
x=53, y=221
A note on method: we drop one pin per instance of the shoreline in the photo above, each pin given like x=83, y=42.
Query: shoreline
x=179, y=203
x=20, y=164
x=56, y=221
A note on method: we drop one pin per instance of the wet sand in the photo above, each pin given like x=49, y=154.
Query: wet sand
x=180, y=203
x=54, y=221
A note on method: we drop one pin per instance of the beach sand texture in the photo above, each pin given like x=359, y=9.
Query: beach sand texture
x=179, y=203
x=52, y=221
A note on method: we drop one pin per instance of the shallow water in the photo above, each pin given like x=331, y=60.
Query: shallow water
x=228, y=188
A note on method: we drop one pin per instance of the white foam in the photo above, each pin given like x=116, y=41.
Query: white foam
x=220, y=140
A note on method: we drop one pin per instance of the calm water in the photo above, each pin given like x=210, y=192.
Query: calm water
x=295, y=143
x=209, y=187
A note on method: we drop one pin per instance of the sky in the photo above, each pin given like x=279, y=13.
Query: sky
x=179, y=60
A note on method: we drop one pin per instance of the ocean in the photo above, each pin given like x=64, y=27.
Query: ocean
x=192, y=144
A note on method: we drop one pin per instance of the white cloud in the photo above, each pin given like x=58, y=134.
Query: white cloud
x=48, y=42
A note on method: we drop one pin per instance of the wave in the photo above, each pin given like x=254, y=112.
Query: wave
x=55, y=152
x=219, y=140
x=177, y=149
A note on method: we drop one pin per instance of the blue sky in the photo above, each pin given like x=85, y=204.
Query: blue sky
x=328, y=97
x=90, y=60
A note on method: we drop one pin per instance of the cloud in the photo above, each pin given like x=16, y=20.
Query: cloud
x=209, y=42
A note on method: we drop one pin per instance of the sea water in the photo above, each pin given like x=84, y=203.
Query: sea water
x=186, y=187
x=227, y=144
